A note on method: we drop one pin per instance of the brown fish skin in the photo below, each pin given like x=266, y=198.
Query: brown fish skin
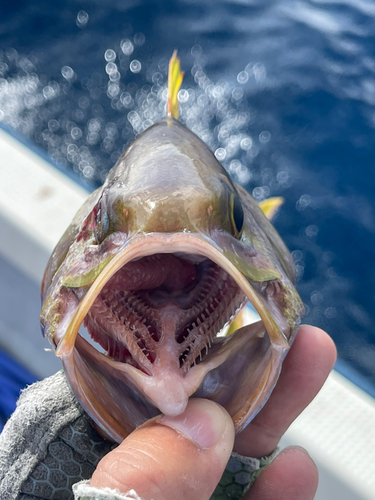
x=156, y=263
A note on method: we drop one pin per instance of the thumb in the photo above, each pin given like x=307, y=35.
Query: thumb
x=180, y=457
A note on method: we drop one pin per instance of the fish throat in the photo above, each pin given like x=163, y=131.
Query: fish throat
x=164, y=310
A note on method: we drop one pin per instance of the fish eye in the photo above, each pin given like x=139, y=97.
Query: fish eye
x=237, y=215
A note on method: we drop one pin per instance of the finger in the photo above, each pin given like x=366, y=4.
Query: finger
x=172, y=457
x=304, y=371
x=291, y=476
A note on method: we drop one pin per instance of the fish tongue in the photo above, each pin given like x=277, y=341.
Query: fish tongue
x=166, y=388
x=153, y=271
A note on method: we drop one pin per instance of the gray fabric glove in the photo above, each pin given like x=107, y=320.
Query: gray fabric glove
x=48, y=444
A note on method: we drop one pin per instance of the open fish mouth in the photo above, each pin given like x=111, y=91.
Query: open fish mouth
x=158, y=316
x=131, y=316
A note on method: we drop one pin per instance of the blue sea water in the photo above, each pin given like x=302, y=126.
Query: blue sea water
x=282, y=90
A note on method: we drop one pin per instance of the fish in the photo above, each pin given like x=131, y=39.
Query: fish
x=158, y=266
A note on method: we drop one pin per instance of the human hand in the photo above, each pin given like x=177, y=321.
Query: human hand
x=162, y=464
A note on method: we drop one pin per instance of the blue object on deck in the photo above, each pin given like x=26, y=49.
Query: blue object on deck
x=13, y=378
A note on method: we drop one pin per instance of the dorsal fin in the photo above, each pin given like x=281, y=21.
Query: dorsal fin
x=175, y=76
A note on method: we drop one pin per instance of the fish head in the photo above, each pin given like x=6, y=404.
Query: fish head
x=158, y=266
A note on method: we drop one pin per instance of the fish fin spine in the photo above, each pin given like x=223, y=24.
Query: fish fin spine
x=270, y=206
x=175, y=76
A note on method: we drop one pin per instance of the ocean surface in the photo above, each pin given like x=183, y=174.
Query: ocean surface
x=283, y=92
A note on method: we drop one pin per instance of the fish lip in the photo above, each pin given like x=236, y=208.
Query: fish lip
x=143, y=245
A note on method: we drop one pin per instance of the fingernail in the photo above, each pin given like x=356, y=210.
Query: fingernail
x=203, y=422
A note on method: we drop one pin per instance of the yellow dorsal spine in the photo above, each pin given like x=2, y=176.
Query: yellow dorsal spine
x=175, y=77
x=271, y=205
